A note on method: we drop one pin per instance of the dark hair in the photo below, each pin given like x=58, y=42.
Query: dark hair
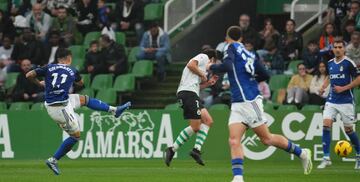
x=350, y=22
x=7, y=36
x=62, y=53
x=234, y=32
x=317, y=72
x=300, y=65
x=54, y=32
x=312, y=42
x=267, y=20
x=153, y=24
x=324, y=33
x=293, y=21
x=211, y=53
x=93, y=42
x=105, y=38
x=339, y=40
x=355, y=2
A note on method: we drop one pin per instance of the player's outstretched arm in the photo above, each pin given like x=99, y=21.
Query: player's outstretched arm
x=31, y=75
x=324, y=86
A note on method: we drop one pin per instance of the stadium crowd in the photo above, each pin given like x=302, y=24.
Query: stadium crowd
x=282, y=54
x=32, y=31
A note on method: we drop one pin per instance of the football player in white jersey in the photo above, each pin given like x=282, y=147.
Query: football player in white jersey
x=194, y=77
x=342, y=72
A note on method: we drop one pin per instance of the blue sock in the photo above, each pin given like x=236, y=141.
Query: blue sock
x=65, y=147
x=97, y=105
x=294, y=149
x=326, y=139
x=237, y=166
x=355, y=141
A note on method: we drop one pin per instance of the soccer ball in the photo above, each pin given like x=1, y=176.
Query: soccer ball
x=343, y=148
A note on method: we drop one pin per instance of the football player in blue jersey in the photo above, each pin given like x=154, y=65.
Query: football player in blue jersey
x=244, y=72
x=343, y=76
x=60, y=104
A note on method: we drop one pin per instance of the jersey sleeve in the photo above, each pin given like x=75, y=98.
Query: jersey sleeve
x=77, y=76
x=260, y=72
x=354, y=71
x=41, y=71
x=227, y=61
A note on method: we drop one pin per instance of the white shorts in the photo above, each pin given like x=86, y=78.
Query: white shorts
x=346, y=111
x=65, y=116
x=249, y=113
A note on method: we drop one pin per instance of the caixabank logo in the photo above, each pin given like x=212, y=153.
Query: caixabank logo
x=133, y=135
x=302, y=129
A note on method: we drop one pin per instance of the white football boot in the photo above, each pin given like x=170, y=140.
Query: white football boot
x=324, y=163
x=238, y=179
x=306, y=161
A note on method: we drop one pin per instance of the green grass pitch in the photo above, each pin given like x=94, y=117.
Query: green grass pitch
x=110, y=170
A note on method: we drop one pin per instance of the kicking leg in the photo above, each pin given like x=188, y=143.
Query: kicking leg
x=98, y=105
x=326, y=141
x=236, y=132
x=280, y=141
x=201, y=135
x=183, y=137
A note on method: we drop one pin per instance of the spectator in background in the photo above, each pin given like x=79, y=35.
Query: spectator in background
x=327, y=37
x=321, y=74
x=26, y=90
x=39, y=21
x=113, y=56
x=249, y=33
x=269, y=35
x=129, y=16
x=221, y=48
x=54, y=43
x=353, y=49
x=274, y=61
x=7, y=47
x=19, y=7
x=349, y=29
x=86, y=11
x=53, y=5
x=66, y=25
x=103, y=14
x=93, y=65
x=311, y=56
x=28, y=48
x=353, y=15
x=264, y=90
x=6, y=26
x=290, y=42
x=298, y=87
x=337, y=11
x=155, y=45
x=2, y=74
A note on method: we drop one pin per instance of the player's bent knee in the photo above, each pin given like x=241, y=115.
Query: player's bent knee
x=76, y=135
x=266, y=141
x=84, y=100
